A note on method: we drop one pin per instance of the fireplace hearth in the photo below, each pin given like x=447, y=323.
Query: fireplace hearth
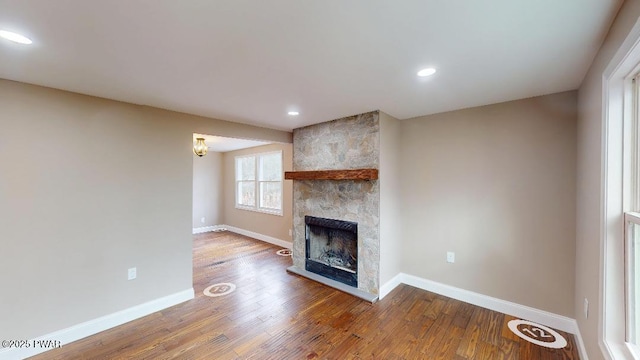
x=332, y=249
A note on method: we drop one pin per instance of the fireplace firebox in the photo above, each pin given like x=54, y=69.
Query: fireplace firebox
x=332, y=249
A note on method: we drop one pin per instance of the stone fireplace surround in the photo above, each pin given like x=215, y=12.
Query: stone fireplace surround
x=348, y=143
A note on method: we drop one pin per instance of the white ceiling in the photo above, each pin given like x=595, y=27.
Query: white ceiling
x=252, y=61
x=224, y=144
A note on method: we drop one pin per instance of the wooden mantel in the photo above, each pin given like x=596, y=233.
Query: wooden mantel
x=356, y=174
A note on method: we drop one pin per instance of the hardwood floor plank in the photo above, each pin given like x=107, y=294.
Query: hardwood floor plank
x=435, y=308
x=251, y=342
x=485, y=351
x=471, y=336
x=276, y=315
x=436, y=334
x=492, y=329
x=343, y=349
x=417, y=309
x=452, y=306
x=530, y=351
x=508, y=350
x=447, y=347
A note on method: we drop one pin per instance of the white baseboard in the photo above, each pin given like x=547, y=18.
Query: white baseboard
x=91, y=327
x=582, y=350
x=265, y=238
x=506, y=307
x=206, y=229
x=387, y=287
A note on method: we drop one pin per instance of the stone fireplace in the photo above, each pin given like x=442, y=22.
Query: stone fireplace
x=348, y=143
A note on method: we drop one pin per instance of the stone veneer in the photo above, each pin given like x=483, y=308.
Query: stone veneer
x=348, y=143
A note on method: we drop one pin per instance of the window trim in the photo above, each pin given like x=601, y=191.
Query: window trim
x=257, y=207
x=615, y=181
x=630, y=219
x=631, y=203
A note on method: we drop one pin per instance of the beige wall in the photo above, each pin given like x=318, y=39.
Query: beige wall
x=266, y=224
x=207, y=190
x=496, y=185
x=391, y=249
x=88, y=188
x=589, y=184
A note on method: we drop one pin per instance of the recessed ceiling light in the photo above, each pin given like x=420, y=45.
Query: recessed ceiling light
x=426, y=72
x=20, y=39
x=293, y=113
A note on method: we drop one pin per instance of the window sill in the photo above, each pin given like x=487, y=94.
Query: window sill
x=618, y=351
x=274, y=212
x=633, y=350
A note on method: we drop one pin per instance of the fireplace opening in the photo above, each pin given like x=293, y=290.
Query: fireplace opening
x=332, y=249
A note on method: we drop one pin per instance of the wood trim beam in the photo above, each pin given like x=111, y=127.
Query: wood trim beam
x=356, y=174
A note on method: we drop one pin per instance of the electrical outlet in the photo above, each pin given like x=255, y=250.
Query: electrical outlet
x=451, y=257
x=290, y=232
x=132, y=273
x=202, y=220
x=586, y=308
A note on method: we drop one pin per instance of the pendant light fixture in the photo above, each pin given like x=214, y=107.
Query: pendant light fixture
x=200, y=148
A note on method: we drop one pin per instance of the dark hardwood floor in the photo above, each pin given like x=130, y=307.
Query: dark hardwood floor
x=276, y=315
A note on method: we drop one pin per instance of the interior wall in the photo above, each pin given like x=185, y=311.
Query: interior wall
x=589, y=181
x=496, y=185
x=207, y=190
x=89, y=188
x=391, y=248
x=266, y=224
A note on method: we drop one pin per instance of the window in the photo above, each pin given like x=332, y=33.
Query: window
x=259, y=182
x=632, y=234
x=631, y=205
x=619, y=328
